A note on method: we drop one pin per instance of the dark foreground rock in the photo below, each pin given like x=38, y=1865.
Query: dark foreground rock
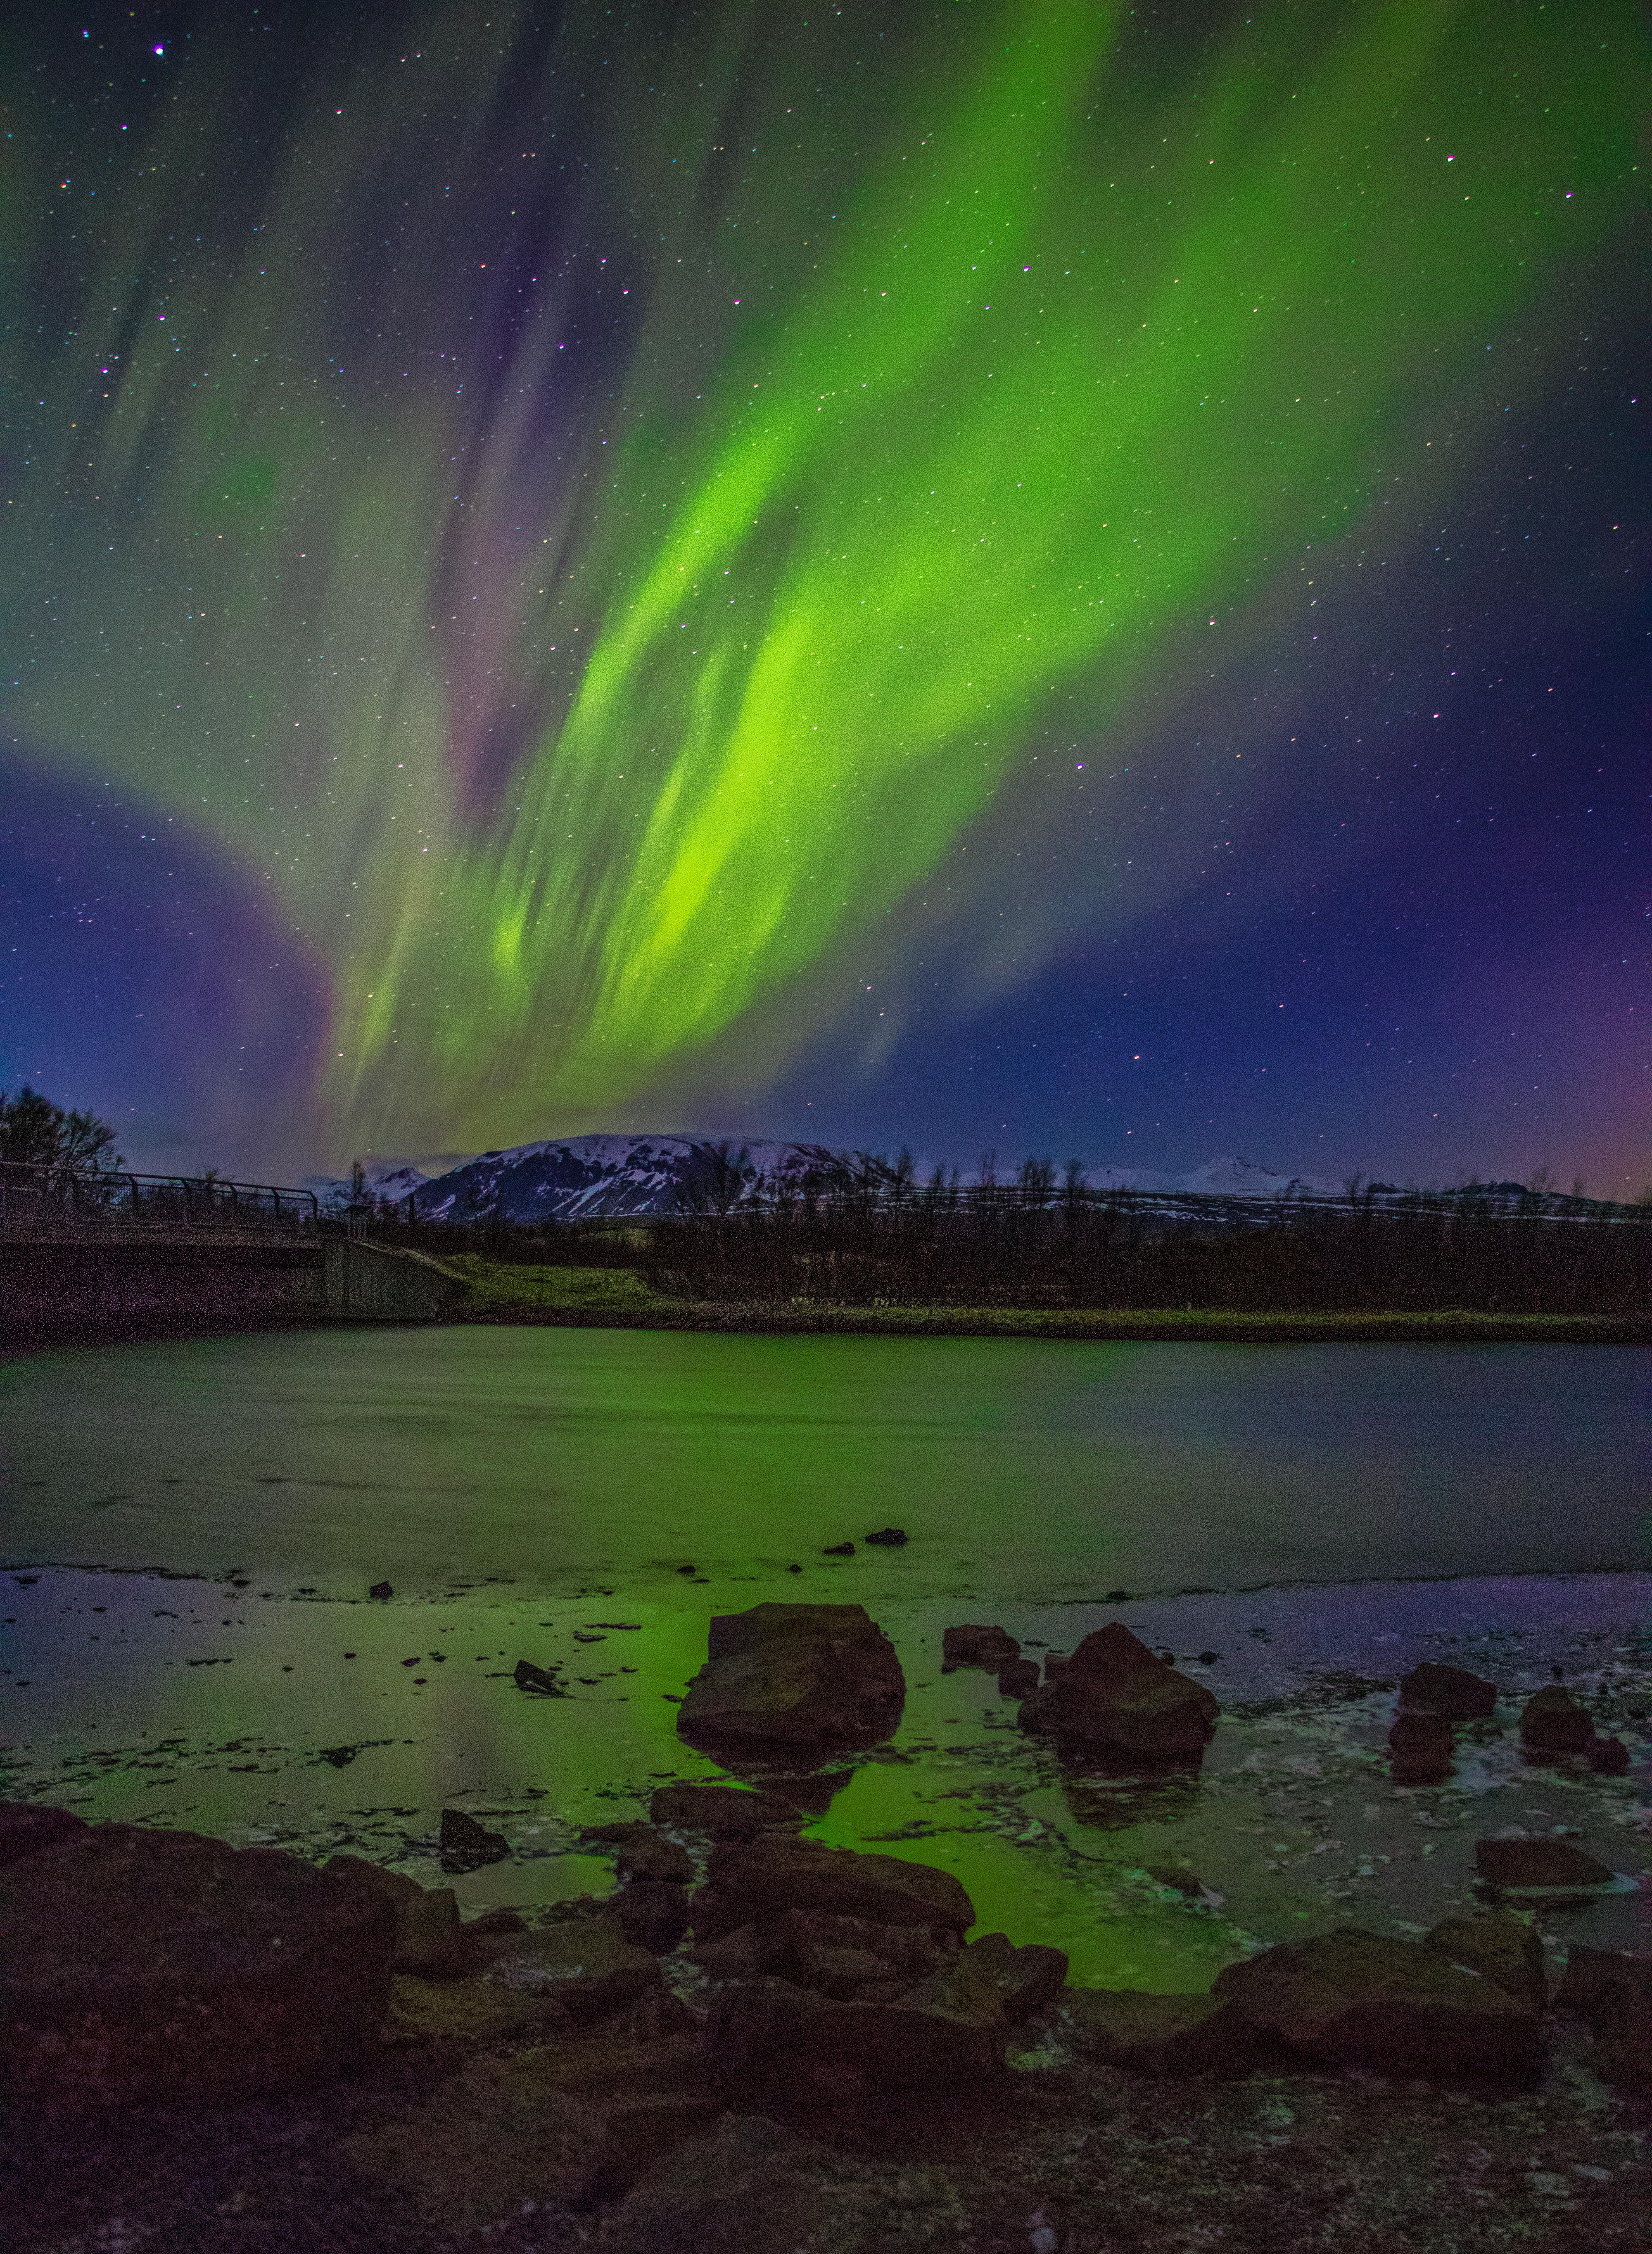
x=797, y=1679
x=1114, y=1693
x=1497, y=1947
x=429, y=1938
x=467, y=1845
x=163, y=1967
x=588, y=1962
x=1420, y=1746
x=1351, y=1998
x=25, y=1829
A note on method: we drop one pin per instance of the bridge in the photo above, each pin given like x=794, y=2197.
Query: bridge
x=94, y=1254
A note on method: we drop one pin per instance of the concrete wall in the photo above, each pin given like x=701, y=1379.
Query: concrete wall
x=90, y=1286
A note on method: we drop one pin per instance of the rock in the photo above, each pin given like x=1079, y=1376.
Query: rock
x=651, y=1913
x=588, y=1962
x=1019, y=1679
x=972, y=1646
x=839, y=1550
x=1612, y=1991
x=382, y=1590
x=641, y=1853
x=529, y=1678
x=467, y=2011
x=1358, y=1999
x=148, y=1966
x=760, y=1882
x=1450, y=1691
x=843, y=1957
x=466, y=1845
x=1114, y=1691
x=775, y=2042
x=1609, y=1757
x=1499, y=1947
x=26, y=1827
x=891, y=1538
x=1164, y=2035
x=1421, y=1747
x=429, y=1938
x=993, y=1975
x=1538, y=1863
x=794, y=1677
x=565, y=2124
x=750, y=2185
x=1182, y=1876
x=719, y=1809
x=741, y=1955
x=1552, y=1722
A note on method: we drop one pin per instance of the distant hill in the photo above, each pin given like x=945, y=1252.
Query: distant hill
x=593, y=1177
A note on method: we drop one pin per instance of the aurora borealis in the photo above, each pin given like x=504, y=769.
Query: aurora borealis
x=1027, y=575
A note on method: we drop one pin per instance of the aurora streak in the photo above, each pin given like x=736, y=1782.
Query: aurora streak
x=589, y=599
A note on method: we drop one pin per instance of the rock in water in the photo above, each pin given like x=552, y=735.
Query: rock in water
x=1019, y=1679
x=1114, y=1691
x=794, y=1678
x=1359, y=1999
x=1538, y=1863
x=466, y=1844
x=1609, y=1757
x=149, y=1967
x=889, y=1537
x=1419, y=1746
x=973, y=1646
x=1451, y=1692
x=777, y=1873
x=1552, y=1722
x=528, y=1676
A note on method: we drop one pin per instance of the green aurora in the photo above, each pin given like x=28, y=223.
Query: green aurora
x=589, y=728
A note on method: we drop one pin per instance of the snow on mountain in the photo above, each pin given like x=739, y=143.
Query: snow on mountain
x=593, y=1177
x=1244, y=1177
x=387, y=1177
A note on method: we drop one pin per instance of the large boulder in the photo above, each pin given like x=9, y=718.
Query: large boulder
x=429, y=1937
x=1114, y=1693
x=783, y=2046
x=1169, y=2036
x=794, y=1679
x=756, y=1882
x=1420, y=1746
x=1355, y=1998
x=145, y=1966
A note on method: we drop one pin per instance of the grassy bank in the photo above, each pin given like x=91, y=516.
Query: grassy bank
x=501, y=1291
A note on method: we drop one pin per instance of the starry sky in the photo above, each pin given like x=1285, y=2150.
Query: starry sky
x=1036, y=577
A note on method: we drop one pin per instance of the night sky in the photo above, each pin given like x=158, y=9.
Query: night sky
x=1056, y=578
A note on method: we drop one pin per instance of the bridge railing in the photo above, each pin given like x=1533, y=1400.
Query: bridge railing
x=51, y=1201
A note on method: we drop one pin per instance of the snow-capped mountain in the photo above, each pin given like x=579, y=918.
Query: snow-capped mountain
x=599, y=1176
x=592, y=1177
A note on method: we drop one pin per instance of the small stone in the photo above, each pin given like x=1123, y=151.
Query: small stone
x=839, y=1550
x=528, y=1676
x=1543, y=1864
x=1451, y=1692
x=466, y=1844
x=1553, y=1722
x=382, y=1590
x=890, y=1538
